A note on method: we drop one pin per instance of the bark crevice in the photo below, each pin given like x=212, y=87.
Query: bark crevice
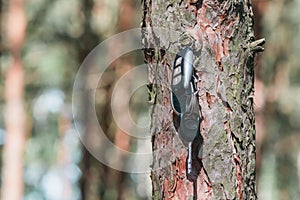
x=220, y=33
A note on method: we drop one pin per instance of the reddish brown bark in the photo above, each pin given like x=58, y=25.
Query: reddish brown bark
x=220, y=33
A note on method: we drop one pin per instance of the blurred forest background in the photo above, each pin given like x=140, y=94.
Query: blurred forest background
x=43, y=44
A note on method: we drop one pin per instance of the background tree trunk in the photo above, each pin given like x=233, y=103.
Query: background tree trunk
x=99, y=181
x=15, y=116
x=221, y=36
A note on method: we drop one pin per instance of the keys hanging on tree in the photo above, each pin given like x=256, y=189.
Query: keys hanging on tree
x=185, y=103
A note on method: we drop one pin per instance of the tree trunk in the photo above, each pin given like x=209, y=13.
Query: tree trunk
x=220, y=33
x=14, y=114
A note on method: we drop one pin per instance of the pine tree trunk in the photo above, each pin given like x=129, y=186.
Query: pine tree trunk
x=14, y=112
x=220, y=33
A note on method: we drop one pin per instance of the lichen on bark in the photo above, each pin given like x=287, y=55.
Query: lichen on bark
x=220, y=34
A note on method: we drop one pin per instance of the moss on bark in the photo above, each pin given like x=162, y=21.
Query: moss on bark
x=220, y=34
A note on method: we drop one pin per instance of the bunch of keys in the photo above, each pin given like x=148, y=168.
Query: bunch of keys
x=185, y=103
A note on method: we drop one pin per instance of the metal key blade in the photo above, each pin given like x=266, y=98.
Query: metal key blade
x=189, y=167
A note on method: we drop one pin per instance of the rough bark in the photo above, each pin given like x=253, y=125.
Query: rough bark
x=221, y=36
